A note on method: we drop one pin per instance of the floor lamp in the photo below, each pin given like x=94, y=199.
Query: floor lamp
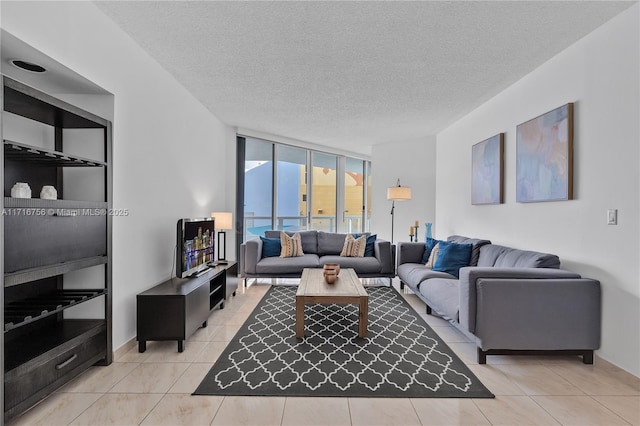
x=223, y=222
x=397, y=193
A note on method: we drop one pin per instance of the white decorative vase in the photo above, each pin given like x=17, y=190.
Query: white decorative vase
x=21, y=190
x=49, y=193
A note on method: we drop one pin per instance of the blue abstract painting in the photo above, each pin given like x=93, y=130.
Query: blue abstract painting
x=544, y=157
x=487, y=171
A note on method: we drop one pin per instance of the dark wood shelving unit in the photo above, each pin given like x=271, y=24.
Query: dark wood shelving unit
x=26, y=311
x=46, y=341
x=21, y=152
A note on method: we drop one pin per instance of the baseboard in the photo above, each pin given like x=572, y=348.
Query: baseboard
x=126, y=347
x=620, y=373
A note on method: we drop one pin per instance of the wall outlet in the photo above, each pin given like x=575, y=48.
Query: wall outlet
x=612, y=217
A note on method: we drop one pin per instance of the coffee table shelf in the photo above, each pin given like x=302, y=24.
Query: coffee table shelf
x=347, y=290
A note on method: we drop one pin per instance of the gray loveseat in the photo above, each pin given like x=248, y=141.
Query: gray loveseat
x=319, y=248
x=509, y=301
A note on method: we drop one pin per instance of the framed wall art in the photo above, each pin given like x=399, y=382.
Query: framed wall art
x=544, y=157
x=487, y=171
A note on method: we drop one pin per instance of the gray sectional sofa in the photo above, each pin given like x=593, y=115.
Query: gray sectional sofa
x=509, y=301
x=319, y=247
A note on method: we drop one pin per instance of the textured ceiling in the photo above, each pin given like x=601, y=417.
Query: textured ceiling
x=349, y=75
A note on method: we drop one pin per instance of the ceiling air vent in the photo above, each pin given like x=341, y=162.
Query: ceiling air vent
x=27, y=66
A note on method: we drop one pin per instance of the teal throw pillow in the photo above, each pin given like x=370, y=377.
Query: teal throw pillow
x=452, y=257
x=371, y=241
x=271, y=247
x=428, y=246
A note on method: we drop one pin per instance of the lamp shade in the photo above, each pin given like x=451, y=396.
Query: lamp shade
x=223, y=220
x=398, y=193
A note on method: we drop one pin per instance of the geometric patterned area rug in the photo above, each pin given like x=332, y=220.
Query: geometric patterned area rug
x=400, y=357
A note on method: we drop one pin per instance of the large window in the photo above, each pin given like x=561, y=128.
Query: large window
x=291, y=192
x=258, y=188
x=323, y=192
x=291, y=188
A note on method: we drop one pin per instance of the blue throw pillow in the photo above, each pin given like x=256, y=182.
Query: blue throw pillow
x=428, y=246
x=371, y=240
x=271, y=247
x=452, y=257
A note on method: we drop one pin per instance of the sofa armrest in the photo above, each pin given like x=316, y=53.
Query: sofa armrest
x=410, y=252
x=250, y=253
x=382, y=250
x=470, y=275
x=547, y=314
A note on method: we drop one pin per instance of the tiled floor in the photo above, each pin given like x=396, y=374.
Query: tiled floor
x=155, y=388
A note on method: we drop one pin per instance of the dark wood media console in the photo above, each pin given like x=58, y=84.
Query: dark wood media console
x=175, y=309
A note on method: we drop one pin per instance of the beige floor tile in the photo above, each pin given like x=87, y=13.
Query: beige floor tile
x=448, y=411
x=211, y=352
x=578, y=410
x=494, y=379
x=382, y=411
x=151, y=378
x=191, y=378
x=118, y=409
x=203, y=334
x=247, y=410
x=465, y=351
x=433, y=320
x=191, y=352
x=450, y=334
x=57, y=409
x=100, y=379
x=247, y=306
x=514, y=410
x=538, y=380
x=627, y=407
x=592, y=380
x=225, y=333
x=184, y=409
x=316, y=412
x=238, y=318
x=119, y=352
x=134, y=356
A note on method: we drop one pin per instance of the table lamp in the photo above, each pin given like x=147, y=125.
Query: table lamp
x=223, y=222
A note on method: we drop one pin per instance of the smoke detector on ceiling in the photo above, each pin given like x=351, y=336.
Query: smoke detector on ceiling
x=27, y=66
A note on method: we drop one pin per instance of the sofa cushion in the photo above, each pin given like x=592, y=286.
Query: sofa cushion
x=433, y=256
x=428, y=246
x=362, y=265
x=309, y=239
x=452, y=257
x=353, y=247
x=507, y=257
x=271, y=247
x=291, y=246
x=286, y=265
x=330, y=243
x=475, y=242
x=442, y=294
x=413, y=274
x=371, y=241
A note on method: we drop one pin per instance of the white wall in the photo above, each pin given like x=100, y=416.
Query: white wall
x=170, y=153
x=600, y=74
x=414, y=162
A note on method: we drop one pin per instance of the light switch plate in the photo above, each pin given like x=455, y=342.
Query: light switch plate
x=612, y=217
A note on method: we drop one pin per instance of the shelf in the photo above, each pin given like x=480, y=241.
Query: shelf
x=19, y=351
x=31, y=103
x=41, y=203
x=32, y=274
x=22, y=152
x=26, y=311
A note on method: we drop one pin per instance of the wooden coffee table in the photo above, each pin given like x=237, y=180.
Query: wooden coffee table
x=347, y=289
